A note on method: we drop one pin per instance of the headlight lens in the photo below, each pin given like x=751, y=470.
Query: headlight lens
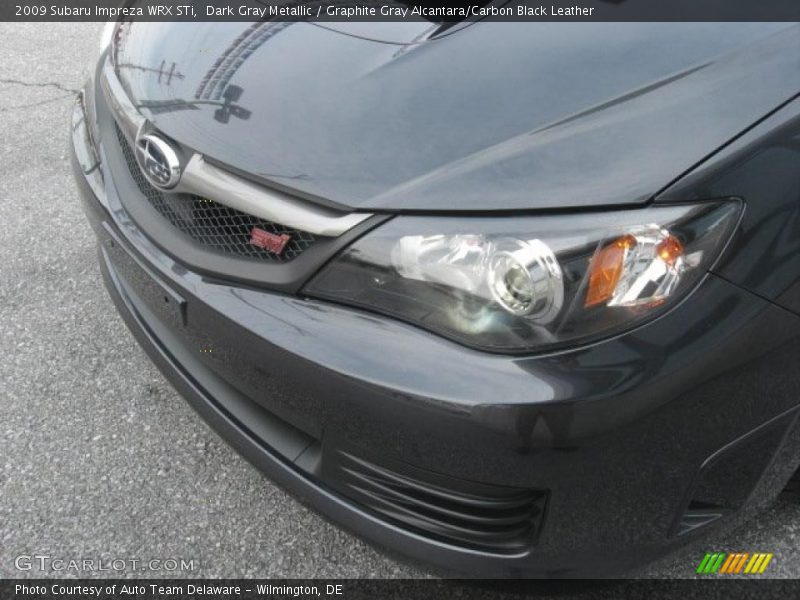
x=523, y=284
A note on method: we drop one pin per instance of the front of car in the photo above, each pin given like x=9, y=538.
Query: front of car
x=508, y=299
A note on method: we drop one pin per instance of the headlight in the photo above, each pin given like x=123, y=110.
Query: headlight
x=522, y=284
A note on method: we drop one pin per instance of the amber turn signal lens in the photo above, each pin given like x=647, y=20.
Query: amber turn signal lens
x=605, y=269
x=670, y=250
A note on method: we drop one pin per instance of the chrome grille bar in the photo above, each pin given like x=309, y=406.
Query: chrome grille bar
x=204, y=179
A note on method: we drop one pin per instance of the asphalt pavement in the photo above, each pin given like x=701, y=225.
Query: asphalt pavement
x=99, y=457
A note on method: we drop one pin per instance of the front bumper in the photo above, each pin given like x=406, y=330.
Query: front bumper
x=625, y=449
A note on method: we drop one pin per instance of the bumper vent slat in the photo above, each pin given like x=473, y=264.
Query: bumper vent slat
x=490, y=518
x=445, y=510
x=214, y=225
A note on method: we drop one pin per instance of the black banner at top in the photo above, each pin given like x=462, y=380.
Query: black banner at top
x=398, y=11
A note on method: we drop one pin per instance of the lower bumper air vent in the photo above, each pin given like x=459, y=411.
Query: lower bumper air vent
x=502, y=520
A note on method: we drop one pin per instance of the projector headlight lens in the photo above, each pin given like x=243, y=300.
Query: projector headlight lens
x=525, y=279
x=524, y=284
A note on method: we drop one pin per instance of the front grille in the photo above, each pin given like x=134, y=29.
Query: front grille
x=212, y=224
x=494, y=518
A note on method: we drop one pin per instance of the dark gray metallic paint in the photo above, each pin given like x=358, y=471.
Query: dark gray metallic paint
x=762, y=167
x=617, y=431
x=499, y=116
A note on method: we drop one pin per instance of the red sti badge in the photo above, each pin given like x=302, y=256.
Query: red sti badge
x=269, y=241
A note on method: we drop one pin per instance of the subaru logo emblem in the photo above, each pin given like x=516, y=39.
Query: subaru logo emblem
x=158, y=161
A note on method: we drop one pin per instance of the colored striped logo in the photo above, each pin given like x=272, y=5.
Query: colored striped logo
x=734, y=563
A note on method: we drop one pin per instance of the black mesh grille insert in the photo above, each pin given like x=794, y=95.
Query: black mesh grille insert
x=494, y=518
x=212, y=224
